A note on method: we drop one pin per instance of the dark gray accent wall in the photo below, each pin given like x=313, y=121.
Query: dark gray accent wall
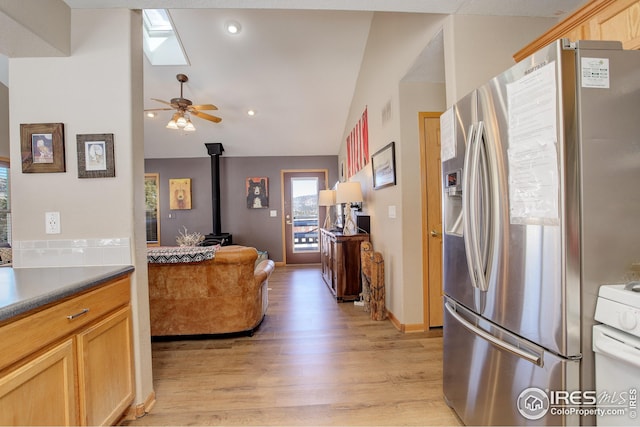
x=249, y=227
x=198, y=218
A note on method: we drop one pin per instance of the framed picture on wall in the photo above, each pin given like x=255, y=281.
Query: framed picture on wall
x=257, y=192
x=95, y=156
x=180, y=193
x=42, y=147
x=383, y=163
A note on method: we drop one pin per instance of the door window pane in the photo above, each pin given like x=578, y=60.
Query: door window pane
x=5, y=205
x=304, y=201
x=152, y=208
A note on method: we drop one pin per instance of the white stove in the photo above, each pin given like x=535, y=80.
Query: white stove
x=619, y=308
x=616, y=344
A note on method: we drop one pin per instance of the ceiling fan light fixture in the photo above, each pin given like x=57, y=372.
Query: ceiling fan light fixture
x=183, y=106
x=172, y=123
x=181, y=122
x=189, y=126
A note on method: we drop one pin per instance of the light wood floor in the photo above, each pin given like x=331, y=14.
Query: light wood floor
x=311, y=362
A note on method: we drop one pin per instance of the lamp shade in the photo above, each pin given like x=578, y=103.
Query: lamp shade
x=181, y=121
x=189, y=127
x=349, y=192
x=327, y=198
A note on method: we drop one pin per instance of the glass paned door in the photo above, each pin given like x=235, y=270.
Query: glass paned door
x=304, y=197
x=5, y=205
x=152, y=208
x=302, y=218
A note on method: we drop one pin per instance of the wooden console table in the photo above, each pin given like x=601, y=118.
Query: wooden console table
x=340, y=259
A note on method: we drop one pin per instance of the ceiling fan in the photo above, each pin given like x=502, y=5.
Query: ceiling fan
x=184, y=107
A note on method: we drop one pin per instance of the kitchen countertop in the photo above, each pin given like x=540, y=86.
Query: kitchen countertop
x=26, y=289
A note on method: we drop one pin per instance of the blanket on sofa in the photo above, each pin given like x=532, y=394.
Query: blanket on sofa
x=179, y=254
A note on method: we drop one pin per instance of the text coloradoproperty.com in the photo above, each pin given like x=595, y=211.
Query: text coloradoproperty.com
x=583, y=412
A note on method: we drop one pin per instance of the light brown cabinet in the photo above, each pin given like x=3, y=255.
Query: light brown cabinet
x=70, y=363
x=340, y=261
x=42, y=391
x=105, y=367
x=596, y=20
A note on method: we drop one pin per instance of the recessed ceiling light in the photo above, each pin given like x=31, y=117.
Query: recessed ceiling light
x=233, y=27
x=251, y=112
x=151, y=114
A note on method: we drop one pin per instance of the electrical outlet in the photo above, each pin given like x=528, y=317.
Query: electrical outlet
x=52, y=222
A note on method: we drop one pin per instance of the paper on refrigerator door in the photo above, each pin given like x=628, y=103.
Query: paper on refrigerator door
x=447, y=136
x=595, y=72
x=532, y=150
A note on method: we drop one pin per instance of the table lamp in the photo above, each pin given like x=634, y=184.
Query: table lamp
x=327, y=198
x=349, y=193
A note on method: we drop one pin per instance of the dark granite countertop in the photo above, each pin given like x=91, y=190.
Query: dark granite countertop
x=26, y=289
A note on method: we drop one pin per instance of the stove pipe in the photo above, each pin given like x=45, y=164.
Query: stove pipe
x=215, y=151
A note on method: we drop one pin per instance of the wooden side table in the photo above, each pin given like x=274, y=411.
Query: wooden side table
x=340, y=259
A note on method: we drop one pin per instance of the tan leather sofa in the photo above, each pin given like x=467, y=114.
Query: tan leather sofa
x=226, y=294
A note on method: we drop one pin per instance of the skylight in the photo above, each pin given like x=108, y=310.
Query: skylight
x=162, y=45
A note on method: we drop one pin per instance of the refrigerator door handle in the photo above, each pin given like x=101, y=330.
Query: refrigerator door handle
x=467, y=205
x=481, y=222
x=470, y=209
x=522, y=353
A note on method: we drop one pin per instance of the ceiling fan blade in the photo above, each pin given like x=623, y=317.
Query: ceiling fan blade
x=158, y=109
x=204, y=107
x=165, y=102
x=206, y=116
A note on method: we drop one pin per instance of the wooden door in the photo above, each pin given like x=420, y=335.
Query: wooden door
x=301, y=216
x=431, y=218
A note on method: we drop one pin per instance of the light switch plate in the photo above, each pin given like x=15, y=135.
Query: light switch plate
x=273, y=213
x=392, y=211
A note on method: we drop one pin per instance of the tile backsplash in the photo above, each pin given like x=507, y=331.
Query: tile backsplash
x=71, y=253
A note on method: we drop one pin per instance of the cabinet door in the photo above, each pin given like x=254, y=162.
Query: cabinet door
x=325, y=257
x=337, y=265
x=42, y=391
x=620, y=21
x=105, y=369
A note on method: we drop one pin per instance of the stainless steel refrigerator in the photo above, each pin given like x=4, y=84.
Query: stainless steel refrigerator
x=541, y=205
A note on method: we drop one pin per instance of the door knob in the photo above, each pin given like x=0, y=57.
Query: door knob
x=434, y=233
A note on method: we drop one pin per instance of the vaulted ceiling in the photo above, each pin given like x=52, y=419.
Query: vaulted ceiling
x=295, y=62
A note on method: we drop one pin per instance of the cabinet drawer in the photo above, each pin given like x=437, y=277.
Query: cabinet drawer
x=29, y=334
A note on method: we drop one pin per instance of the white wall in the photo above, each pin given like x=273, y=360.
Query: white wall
x=476, y=49
x=97, y=89
x=89, y=92
x=395, y=41
x=415, y=98
x=34, y=28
